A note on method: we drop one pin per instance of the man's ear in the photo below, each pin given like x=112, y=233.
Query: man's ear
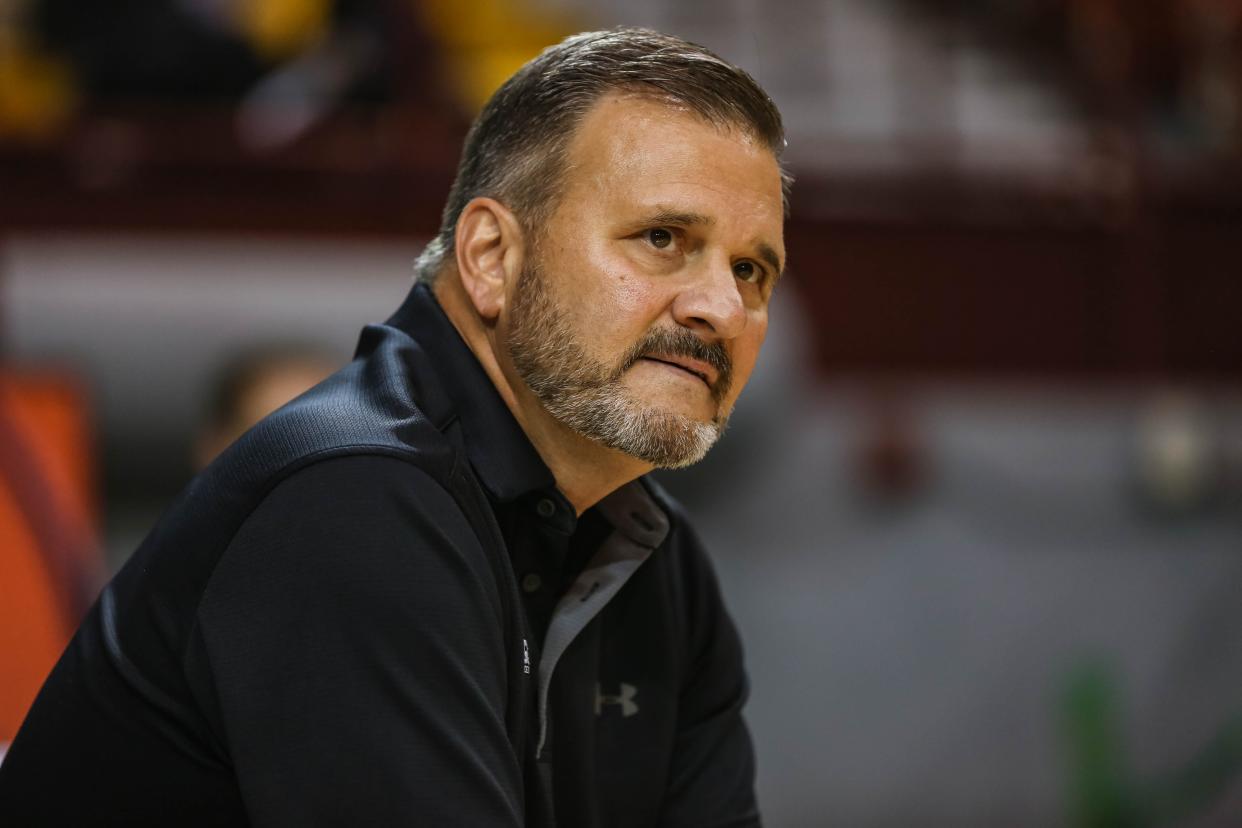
x=489, y=253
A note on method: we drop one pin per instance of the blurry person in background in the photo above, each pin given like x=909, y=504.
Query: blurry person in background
x=252, y=385
x=439, y=589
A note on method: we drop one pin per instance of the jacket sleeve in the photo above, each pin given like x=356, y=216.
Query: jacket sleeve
x=712, y=776
x=355, y=642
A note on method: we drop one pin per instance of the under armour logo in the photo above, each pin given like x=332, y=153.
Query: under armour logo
x=625, y=698
x=525, y=657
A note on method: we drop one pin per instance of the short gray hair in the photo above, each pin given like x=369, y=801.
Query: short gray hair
x=516, y=149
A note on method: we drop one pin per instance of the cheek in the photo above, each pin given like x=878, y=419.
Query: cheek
x=616, y=303
x=746, y=353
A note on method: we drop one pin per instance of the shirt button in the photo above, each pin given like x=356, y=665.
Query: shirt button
x=546, y=508
x=531, y=582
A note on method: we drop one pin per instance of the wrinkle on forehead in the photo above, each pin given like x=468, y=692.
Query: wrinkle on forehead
x=609, y=151
x=631, y=114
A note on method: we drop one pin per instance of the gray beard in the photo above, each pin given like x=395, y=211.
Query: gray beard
x=587, y=397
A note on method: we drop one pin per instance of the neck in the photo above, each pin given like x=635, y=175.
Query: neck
x=585, y=471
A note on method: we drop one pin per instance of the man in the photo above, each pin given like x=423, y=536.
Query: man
x=436, y=589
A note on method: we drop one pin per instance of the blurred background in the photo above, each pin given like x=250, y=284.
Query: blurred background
x=979, y=516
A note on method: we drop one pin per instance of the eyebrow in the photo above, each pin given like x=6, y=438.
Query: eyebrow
x=682, y=218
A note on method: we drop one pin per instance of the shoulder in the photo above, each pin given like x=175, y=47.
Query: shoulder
x=361, y=542
x=385, y=403
x=355, y=489
x=371, y=406
x=357, y=448
x=345, y=454
x=356, y=513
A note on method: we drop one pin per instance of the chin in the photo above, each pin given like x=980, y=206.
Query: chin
x=695, y=405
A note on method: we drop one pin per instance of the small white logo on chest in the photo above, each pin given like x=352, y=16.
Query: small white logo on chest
x=624, y=699
x=525, y=657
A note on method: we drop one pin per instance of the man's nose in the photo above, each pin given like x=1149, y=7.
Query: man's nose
x=711, y=301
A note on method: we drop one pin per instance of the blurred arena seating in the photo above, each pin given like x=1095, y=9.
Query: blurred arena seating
x=984, y=136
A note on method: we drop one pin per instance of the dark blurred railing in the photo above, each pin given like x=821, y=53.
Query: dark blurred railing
x=168, y=167
x=991, y=279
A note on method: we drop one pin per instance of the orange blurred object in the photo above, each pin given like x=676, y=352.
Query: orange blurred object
x=50, y=565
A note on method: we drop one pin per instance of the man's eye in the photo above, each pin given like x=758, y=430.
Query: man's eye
x=659, y=237
x=746, y=271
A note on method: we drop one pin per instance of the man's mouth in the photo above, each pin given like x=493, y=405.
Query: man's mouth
x=694, y=367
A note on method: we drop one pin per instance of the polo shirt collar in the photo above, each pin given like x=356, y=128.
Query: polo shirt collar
x=502, y=456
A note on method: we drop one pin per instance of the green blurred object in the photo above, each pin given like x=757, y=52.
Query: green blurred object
x=1100, y=794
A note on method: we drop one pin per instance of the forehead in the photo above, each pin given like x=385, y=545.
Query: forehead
x=634, y=153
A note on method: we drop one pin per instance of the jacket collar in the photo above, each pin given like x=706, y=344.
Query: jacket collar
x=503, y=458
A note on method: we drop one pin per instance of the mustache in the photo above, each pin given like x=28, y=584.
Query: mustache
x=681, y=342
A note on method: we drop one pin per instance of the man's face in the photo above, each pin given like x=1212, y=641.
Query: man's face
x=641, y=310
